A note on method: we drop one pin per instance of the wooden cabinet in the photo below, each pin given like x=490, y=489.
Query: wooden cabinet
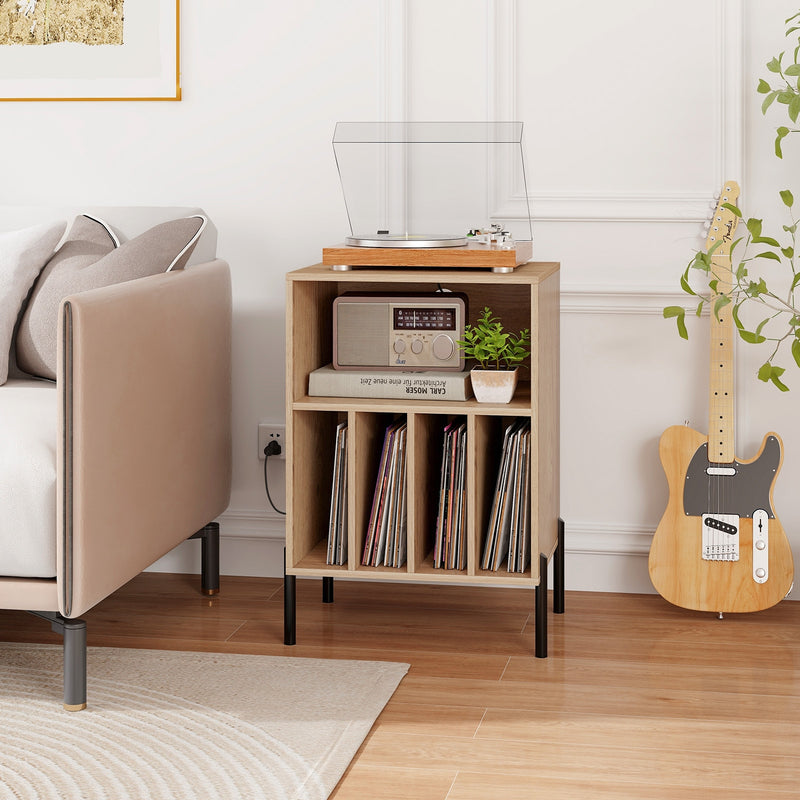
x=525, y=298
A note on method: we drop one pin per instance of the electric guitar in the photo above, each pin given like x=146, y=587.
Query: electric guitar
x=720, y=546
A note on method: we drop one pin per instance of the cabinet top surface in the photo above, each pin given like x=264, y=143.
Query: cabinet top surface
x=532, y=272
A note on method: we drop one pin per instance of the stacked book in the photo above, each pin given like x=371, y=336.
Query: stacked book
x=508, y=533
x=450, y=551
x=329, y=382
x=337, y=523
x=385, y=541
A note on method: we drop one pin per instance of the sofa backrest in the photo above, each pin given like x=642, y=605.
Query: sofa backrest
x=126, y=221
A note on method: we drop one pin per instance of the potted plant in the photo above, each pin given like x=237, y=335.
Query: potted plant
x=499, y=355
x=765, y=304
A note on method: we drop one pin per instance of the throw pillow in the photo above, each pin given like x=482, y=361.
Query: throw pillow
x=22, y=256
x=86, y=261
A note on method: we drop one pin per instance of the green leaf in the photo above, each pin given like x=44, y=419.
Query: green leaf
x=766, y=240
x=794, y=16
x=720, y=303
x=700, y=305
x=796, y=351
x=794, y=108
x=785, y=97
x=733, y=208
x=735, y=313
x=768, y=254
x=774, y=377
x=787, y=197
x=782, y=133
x=713, y=285
x=755, y=289
x=790, y=228
x=795, y=282
x=768, y=373
x=754, y=227
x=768, y=101
x=741, y=271
x=788, y=252
x=775, y=64
x=792, y=69
x=751, y=338
x=685, y=283
x=763, y=87
x=680, y=318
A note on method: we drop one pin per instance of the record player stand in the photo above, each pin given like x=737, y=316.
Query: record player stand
x=527, y=297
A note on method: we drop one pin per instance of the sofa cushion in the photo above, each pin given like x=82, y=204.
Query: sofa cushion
x=28, y=431
x=23, y=253
x=87, y=261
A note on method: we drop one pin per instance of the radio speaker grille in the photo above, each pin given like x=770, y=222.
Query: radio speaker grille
x=362, y=334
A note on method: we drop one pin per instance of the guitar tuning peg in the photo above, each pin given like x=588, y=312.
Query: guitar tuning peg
x=706, y=225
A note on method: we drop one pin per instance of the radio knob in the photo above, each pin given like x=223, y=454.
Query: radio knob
x=443, y=347
x=399, y=346
x=416, y=346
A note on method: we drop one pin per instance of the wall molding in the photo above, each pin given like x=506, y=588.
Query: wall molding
x=610, y=299
x=691, y=205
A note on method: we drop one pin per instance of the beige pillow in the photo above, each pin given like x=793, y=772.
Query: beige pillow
x=22, y=256
x=91, y=257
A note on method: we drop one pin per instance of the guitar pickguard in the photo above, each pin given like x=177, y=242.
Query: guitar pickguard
x=741, y=493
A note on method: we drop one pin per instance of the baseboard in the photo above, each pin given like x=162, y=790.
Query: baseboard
x=600, y=557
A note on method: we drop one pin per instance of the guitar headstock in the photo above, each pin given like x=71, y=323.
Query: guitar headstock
x=724, y=222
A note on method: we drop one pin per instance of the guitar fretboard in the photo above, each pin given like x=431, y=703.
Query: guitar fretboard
x=721, y=419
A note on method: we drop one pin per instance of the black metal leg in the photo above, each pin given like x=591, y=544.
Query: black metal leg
x=289, y=606
x=327, y=589
x=74, y=633
x=541, y=609
x=558, y=571
x=209, y=557
x=74, y=664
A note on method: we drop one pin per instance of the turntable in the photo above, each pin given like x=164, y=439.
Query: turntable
x=414, y=193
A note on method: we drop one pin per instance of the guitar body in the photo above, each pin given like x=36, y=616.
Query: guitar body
x=735, y=495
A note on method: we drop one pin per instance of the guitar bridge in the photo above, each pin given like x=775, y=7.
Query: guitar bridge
x=720, y=537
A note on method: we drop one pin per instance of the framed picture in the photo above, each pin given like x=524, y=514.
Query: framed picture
x=90, y=50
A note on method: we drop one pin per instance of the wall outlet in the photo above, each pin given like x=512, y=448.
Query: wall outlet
x=267, y=432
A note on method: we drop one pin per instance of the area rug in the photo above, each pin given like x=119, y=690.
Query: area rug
x=164, y=725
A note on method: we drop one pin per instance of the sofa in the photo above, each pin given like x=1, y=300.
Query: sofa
x=115, y=406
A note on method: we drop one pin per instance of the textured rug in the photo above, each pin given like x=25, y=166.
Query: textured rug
x=164, y=725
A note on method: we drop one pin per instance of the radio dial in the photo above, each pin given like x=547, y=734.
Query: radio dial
x=416, y=346
x=399, y=346
x=443, y=347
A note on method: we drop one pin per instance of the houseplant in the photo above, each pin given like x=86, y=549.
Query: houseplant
x=499, y=355
x=765, y=304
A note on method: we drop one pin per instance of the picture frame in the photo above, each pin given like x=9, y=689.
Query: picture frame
x=144, y=65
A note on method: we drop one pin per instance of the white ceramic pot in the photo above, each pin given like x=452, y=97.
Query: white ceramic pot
x=494, y=385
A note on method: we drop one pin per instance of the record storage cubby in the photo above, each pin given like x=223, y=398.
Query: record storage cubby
x=525, y=298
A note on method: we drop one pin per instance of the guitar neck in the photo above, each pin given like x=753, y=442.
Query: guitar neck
x=721, y=419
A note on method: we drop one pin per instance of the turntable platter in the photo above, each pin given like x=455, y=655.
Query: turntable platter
x=406, y=240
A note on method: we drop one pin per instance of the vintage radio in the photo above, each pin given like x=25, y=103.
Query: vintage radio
x=408, y=332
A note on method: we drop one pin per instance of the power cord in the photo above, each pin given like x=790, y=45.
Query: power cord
x=272, y=449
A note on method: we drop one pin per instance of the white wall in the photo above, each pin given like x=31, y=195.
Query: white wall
x=635, y=111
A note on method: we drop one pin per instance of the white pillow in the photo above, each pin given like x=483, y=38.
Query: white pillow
x=23, y=254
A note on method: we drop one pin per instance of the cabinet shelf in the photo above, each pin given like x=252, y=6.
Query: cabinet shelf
x=526, y=298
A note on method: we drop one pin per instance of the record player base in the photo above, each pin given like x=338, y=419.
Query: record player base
x=471, y=256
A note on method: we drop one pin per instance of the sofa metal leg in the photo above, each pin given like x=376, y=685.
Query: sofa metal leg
x=74, y=664
x=209, y=557
x=74, y=633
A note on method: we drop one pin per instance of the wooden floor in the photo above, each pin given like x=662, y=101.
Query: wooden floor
x=636, y=700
